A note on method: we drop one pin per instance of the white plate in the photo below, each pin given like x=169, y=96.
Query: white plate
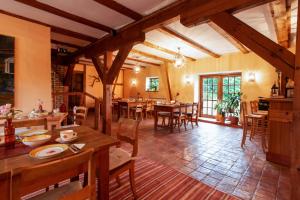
x=48, y=151
x=32, y=132
x=59, y=140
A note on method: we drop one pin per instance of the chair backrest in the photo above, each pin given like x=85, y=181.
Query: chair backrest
x=5, y=182
x=81, y=112
x=29, y=123
x=30, y=179
x=183, y=108
x=139, y=108
x=128, y=132
x=244, y=110
x=195, y=109
x=254, y=106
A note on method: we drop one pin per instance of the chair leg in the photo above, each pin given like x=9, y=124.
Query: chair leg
x=184, y=121
x=244, y=136
x=191, y=120
x=118, y=180
x=132, y=181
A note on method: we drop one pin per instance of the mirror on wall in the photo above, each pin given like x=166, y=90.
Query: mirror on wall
x=7, y=46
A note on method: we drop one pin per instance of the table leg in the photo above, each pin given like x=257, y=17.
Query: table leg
x=103, y=174
x=119, y=111
x=155, y=119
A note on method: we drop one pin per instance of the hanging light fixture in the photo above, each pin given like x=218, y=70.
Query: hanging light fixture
x=179, y=60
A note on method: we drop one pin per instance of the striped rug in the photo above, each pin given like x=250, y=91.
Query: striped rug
x=156, y=181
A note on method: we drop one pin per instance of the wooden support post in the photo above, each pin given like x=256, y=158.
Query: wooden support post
x=69, y=74
x=295, y=136
x=166, y=79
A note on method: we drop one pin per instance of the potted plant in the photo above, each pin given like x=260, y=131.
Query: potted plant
x=232, y=107
x=220, y=108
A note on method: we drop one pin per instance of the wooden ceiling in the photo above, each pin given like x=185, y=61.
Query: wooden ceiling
x=76, y=24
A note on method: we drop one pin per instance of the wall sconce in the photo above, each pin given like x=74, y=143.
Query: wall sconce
x=188, y=79
x=133, y=82
x=251, y=77
x=137, y=69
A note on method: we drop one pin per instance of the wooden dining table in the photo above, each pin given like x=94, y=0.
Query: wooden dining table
x=128, y=104
x=170, y=108
x=17, y=157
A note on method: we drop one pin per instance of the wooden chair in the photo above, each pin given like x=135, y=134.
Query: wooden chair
x=5, y=182
x=119, y=159
x=257, y=124
x=194, y=114
x=137, y=111
x=164, y=116
x=28, y=180
x=149, y=108
x=180, y=117
x=254, y=106
x=80, y=114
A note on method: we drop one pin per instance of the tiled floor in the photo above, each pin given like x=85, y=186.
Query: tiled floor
x=212, y=154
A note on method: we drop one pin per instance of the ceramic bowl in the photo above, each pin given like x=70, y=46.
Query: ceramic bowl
x=36, y=140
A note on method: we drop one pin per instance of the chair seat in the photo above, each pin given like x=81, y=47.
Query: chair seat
x=118, y=157
x=60, y=192
x=189, y=114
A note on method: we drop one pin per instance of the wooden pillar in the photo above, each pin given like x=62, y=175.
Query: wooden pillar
x=295, y=139
x=166, y=79
x=107, y=95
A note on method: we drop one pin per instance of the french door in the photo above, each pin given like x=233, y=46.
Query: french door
x=214, y=88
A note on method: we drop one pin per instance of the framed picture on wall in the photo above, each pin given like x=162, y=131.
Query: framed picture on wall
x=7, y=69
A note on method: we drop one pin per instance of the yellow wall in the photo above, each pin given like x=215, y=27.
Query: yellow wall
x=236, y=62
x=32, y=61
x=97, y=89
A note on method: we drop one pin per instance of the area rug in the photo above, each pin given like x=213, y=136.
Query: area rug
x=156, y=182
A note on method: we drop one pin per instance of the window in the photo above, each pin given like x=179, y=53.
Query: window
x=152, y=84
x=217, y=87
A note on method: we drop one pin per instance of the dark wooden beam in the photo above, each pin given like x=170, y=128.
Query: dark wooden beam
x=69, y=74
x=165, y=16
x=276, y=55
x=65, y=44
x=188, y=41
x=54, y=29
x=64, y=14
x=120, y=8
x=143, y=61
x=99, y=67
x=198, y=11
x=118, y=63
x=112, y=44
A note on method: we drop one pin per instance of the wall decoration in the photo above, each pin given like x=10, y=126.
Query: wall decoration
x=7, y=69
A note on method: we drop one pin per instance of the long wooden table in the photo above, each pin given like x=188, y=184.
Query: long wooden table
x=170, y=108
x=18, y=157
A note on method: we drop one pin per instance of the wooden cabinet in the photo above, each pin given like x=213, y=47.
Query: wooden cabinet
x=279, y=131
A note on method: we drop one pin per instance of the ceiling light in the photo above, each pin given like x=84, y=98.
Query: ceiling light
x=179, y=60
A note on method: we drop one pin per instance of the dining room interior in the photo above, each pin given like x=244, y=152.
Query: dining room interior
x=153, y=99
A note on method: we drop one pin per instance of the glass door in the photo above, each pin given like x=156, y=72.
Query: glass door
x=209, y=95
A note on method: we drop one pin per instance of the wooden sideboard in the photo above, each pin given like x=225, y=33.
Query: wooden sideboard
x=279, y=131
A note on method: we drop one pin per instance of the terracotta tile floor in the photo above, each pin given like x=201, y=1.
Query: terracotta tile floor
x=212, y=154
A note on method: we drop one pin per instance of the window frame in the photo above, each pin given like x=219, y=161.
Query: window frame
x=148, y=84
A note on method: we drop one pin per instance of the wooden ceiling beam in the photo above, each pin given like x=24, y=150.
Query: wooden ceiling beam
x=64, y=14
x=143, y=61
x=168, y=51
x=281, y=14
x=187, y=41
x=99, y=67
x=276, y=55
x=170, y=13
x=135, y=51
x=120, y=9
x=229, y=38
x=118, y=63
x=198, y=11
x=54, y=29
x=65, y=44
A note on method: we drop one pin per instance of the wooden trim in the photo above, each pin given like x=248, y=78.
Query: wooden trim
x=64, y=14
x=187, y=41
x=54, y=29
x=65, y=44
x=273, y=53
x=150, y=55
x=281, y=14
x=168, y=51
x=229, y=38
x=120, y=8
